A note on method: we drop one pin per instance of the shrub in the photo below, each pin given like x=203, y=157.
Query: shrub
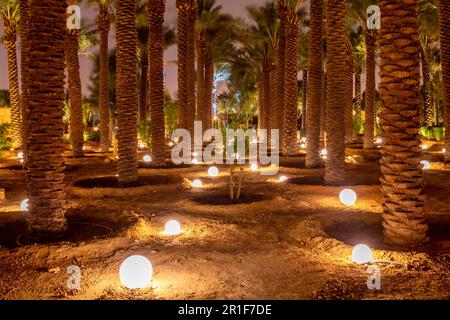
x=5, y=142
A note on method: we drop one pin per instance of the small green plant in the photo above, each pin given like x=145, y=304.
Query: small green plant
x=5, y=142
x=439, y=133
x=432, y=133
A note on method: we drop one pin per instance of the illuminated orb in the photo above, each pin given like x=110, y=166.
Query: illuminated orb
x=197, y=183
x=379, y=140
x=324, y=152
x=176, y=139
x=194, y=154
x=20, y=155
x=253, y=167
x=426, y=164
x=303, y=146
x=24, y=205
x=136, y=272
x=282, y=179
x=170, y=144
x=172, y=228
x=213, y=172
x=141, y=145
x=303, y=139
x=444, y=150
x=424, y=147
x=194, y=161
x=147, y=158
x=348, y=197
x=361, y=254
x=95, y=128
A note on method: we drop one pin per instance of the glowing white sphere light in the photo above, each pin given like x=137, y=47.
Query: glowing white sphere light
x=172, y=228
x=147, y=158
x=282, y=179
x=136, y=272
x=213, y=171
x=24, y=205
x=379, y=140
x=324, y=152
x=348, y=197
x=20, y=155
x=197, y=183
x=426, y=164
x=253, y=167
x=424, y=147
x=361, y=254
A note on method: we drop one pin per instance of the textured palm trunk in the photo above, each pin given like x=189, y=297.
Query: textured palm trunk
x=401, y=181
x=426, y=91
x=315, y=86
x=45, y=174
x=358, y=99
x=444, y=22
x=267, y=97
x=75, y=97
x=323, y=112
x=201, y=60
x=304, y=98
x=156, y=10
x=281, y=67
x=336, y=68
x=291, y=85
x=24, y=77
x=182, y=29
x=143, y=86
x=274, y=110
x=369, y=122
x=261, y=102
x=349, y=95
x=209, y=79
x=103, y=22
x=191, y=115
x=126, y=91
x=9, y=41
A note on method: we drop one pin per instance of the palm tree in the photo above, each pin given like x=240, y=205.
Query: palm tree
x=358, y=12
x=104, y=23
x=280, y=64
x=402, y=181
x=336, y=67
x=156, y=10
x=9, y=12
x=303, y=63
x=291, y=83
x=24, y=57
x=126, y=91
x=315, y=86
x=429, y=34
x=74, y=86
x=359, y=54
x=444, y=28
x=45, y=175
x=348, y=117
x=186, y=64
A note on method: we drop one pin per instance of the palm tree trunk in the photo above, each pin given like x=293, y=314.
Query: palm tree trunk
x=349, y=95
x=281, y=67
x=201, y=60
x=75, y=97
x=182, y=29
x=291, y=85
x=45, y=175
x=304, y=99
x=315, y=87
x=274, y=111
x=24, y=57
x=426, y=91
x=323, y=112
x=126, y=91
x=267, y=97
x=336, y=67
x=209, y=79
x=13, y=78
x=261, y=102
x=402, y=181
x=103, y=22
x=444, y=21
x=191, y=65
x=143, y=86
x=358, y=100
x=156, y=10
x=369, y=123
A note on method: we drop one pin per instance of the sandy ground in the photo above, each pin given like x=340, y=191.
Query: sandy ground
x=288, y=240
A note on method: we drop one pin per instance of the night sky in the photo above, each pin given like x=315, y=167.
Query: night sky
x=235, y=7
